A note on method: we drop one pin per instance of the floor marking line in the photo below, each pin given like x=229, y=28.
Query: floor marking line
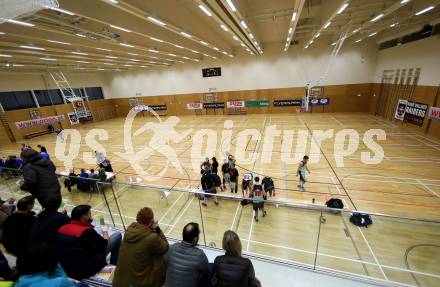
x=428, y=188
x=372, y=253
x=235, y=216
x=170, y=208
x=180, y=216
x=250, y=230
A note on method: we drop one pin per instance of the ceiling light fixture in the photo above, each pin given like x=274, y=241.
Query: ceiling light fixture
x=241, y=44
x=31, y=47
x=224, y=28
x=357, y=41
x=185, y=34
x=136, y=60
x=80, y=35
x=372, y=34
x=317, y=35
x=17, y=65
x=252, y=36
x=156, y=21
x=114, y=1
x=204, y=43
x=294, y=16
x=177, y=46
x=5, y=56
x=126, y=45
x=334, y=43
x=343, y=7
x=194, y=51
x=84, y=62
x=290, y=30
x=243, y=24
x=153, y=51
x=110, y=64
x=171, y=54
x=404, y=1
x=356, y=30
x=133, y=54
x=103, y=49
x=327, y=24
x=393, y=25
x=58, y=42
x=235, y=38
x=217, y=49
x=231, y=5
x=157, y=40
x=424, y=10
x=79, y=53
x=204, y=9
x=1, y=33
x=120, y=28
x=377, y=17
x=48, y=59
x=111, y=57
x=62, y=11
x=20, y=23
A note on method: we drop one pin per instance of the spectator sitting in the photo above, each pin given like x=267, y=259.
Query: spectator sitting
x=231, y=269
x=44, y=155
x=11, y=166
x=142, y=261
x=25, y=147
x=17, y=227
x=49, y=221
x=82, y=251
x=39, y=176
x=187, y=264
x=93, y=183
x=38, y=267
x=5, y=212
x=71, y=180
x=42, y=148
x=18, y=162
x=83, y=184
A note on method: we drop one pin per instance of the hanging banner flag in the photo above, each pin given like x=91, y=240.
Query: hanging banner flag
x=82, y=116
x=320, y=102
x=434, y=113
x=141, y=108
x=39, y=122
x=286, y=103
x=218, y=105
x=235, y=104
x=194, y=106
x=257, y=104
x=415, y=113
x=400, y=110
x=158, y=107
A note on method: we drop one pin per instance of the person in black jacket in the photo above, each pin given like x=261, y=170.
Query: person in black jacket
x=232, y=270
x=214, y=166
x=49, y=221
x=208, y=182
x=17, y=227
x=39, y=176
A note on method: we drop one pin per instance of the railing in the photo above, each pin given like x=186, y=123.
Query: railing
x=394, y=250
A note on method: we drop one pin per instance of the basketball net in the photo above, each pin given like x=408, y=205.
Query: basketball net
x=12, y=9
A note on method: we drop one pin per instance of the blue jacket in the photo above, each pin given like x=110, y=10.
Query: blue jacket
x=46, y=279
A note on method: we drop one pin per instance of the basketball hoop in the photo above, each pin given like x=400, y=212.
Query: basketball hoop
x=12, y=9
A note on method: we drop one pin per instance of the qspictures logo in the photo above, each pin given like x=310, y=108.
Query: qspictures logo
x=204, y=143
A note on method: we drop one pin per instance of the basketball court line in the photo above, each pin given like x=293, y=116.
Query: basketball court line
x=428, y=188
x=176, y=221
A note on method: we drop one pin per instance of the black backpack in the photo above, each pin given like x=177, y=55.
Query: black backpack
x=361, y=220
x=335, y=203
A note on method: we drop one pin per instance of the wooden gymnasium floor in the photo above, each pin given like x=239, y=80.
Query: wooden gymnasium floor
x=406, y=183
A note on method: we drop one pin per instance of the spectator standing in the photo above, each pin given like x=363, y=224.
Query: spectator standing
x=142, y=260
x=188, y=265
x=231, y=269
x=39, y=176
x=42, y=148
x=17, y=227
x=82, y=251
x=225, y=172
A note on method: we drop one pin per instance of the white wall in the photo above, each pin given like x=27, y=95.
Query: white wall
x=34, y=81
x=274, y=69
x=422, y=54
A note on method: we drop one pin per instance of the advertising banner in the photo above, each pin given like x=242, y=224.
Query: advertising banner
x=434, y=113
x=83, y=116
x=257, y=104
x=158, y=107
x=287, y=103
x=400, y=109
x=415, y=113
x=235, y=104
x=218, y=105
x=194, y=106
x=320, y=102
x=39, y=122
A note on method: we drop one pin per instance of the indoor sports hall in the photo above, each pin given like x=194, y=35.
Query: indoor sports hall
x=148, y=91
